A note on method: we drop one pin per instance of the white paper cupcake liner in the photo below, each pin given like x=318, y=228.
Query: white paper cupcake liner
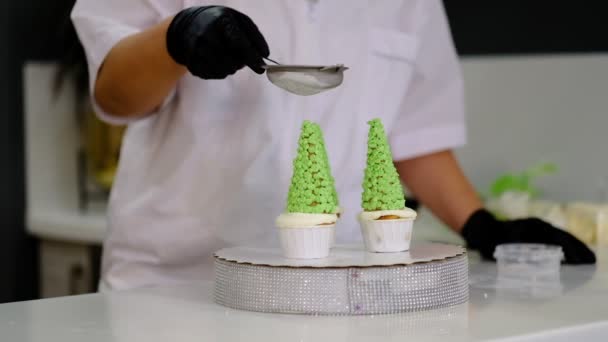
x=385, y=236
x=307, y=242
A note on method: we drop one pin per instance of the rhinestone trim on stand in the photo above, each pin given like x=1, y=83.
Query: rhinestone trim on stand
x=342, y=290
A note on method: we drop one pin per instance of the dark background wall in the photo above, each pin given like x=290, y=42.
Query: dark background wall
x=16, y=251
x=31, y=30
x=482, y=27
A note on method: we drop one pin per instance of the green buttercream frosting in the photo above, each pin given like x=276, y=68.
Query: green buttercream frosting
x=312, y=187
x=382, y=188
x=326, y=158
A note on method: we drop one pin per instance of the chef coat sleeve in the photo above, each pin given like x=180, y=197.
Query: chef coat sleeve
x=432, y=114
x=102, y=24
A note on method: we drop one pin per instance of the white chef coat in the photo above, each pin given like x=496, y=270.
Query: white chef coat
x=211, y=167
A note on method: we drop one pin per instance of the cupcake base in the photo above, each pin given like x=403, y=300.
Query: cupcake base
x=387, y=236
x=307, y=242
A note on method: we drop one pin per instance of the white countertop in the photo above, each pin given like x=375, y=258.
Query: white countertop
x=576, y=308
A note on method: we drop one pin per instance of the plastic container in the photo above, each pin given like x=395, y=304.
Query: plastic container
x=529, y=261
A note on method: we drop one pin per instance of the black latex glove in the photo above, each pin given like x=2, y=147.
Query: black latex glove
x=484, y=232
x=214, y=42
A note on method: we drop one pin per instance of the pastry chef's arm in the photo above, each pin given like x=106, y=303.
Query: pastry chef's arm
x=433, y=120
x=439, y=183
x=138, y=73
x=212, y=42
x=436, y=109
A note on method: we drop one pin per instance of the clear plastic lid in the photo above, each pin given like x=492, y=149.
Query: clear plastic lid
x=528, y=252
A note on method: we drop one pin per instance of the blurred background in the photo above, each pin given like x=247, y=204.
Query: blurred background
x=536, y=74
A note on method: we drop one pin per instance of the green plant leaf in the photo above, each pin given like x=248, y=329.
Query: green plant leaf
x=522, y=182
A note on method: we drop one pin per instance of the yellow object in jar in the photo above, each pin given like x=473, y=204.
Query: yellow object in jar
x=102, y=148
x=583, y=221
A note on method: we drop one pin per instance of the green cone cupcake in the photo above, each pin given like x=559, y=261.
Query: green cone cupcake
x=386, y=223
x=307, y=227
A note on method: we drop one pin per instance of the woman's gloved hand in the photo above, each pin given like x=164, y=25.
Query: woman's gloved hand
x=484, y=232
x=214, y=42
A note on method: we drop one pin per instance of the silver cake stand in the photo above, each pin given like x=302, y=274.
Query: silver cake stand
x=349, y=282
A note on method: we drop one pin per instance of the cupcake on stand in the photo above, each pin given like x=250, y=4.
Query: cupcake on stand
x=307, y=227
x=386, y=223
